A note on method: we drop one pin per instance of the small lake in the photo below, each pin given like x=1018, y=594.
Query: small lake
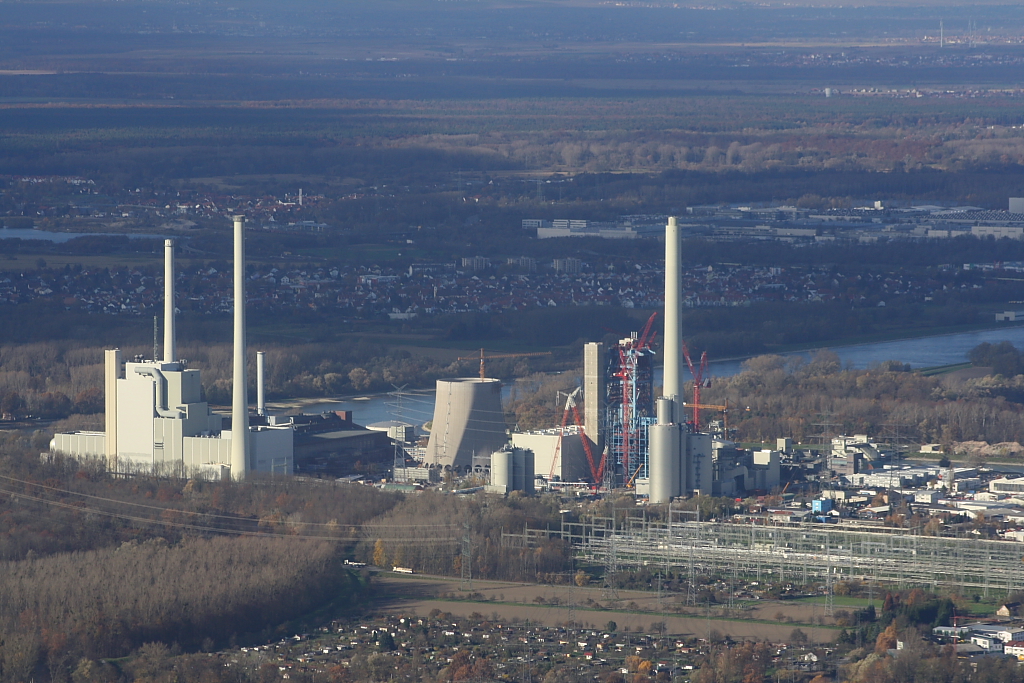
x=417, y=407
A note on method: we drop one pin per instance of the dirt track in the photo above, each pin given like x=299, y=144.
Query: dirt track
x=420, y=595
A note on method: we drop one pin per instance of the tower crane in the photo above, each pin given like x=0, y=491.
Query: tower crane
x=483, y=373
x=708, y=406
x=699, y=382
x=596, y=472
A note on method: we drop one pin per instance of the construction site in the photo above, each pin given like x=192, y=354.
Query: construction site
x=626, y=436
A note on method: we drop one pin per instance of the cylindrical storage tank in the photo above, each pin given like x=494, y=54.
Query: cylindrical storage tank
x=518, y=469
x=468, y=419
x=528, y=473
x=664, y=442
x=666, y=410
x=501, y=469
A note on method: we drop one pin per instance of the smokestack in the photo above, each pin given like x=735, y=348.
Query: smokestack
x=672, y=385
x=240, y=398
x=112, y=373
x=170, y=352
x=261, y=404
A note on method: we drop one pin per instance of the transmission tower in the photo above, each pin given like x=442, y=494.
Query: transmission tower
x=827, y=425
x=691, y=585
x=467, y=558
x=572, y=598
x=732, y=587
x=399, y=462
x=611, y=568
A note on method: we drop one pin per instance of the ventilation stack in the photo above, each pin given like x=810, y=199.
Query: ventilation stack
x=170, y=352
x=261, y=403
x=239, y=394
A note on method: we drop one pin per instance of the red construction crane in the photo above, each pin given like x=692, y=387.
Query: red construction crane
x=596, y=472
x=699, y=382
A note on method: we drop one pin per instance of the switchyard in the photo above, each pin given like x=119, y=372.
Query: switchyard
x=794, y=553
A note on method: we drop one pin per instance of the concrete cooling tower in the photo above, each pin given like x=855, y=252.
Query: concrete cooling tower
x=468, y=421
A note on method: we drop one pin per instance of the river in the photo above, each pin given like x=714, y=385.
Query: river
x=417, y=407
x=59, y=237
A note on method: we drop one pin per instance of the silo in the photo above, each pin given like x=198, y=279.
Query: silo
x=468, y=419
x=528, y=473
x=501, y=469
x=518, y=469
x=665, y=443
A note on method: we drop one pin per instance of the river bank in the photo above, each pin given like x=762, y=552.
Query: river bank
x=417, y=406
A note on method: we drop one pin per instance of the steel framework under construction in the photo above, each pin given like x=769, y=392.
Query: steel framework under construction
x=801, y=553
x=629, y=403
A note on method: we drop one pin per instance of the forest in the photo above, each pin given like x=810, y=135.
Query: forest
x=779, y=397
x=96, y=568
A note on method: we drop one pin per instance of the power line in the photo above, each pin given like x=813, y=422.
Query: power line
x=234, y=518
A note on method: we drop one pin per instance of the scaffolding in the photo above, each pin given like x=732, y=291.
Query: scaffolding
x=629, y=404
x=800, y=553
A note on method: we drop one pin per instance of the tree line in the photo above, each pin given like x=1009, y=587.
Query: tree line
x=775, y=396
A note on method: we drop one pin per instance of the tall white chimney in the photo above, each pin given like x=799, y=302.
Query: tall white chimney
x=239, y=394
x=261, y=404
x=170, y=352
x=672, y=384
x=111, y=373
x=666, y=439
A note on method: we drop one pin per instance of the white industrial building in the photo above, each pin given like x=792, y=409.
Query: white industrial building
x=558, y=456
x=157, y=422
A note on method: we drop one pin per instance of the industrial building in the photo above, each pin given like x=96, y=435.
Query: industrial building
x=559, y=453
x=645, y=443
x=629, y=405
x=156, y=418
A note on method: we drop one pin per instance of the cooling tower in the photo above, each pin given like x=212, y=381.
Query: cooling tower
x=468, y=420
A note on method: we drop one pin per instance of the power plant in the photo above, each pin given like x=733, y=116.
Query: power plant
x=626, y=437
x=157, y=420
